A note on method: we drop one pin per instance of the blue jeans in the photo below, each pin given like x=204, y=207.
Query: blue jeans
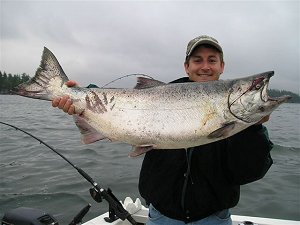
x=218, y=218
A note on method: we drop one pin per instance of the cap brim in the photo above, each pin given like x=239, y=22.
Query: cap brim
x=208, y=42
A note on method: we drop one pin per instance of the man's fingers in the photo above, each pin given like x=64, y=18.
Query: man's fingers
x=71, y=110
x=67, y=105
x=71, y=83
x=55, y=102
x=62, y=102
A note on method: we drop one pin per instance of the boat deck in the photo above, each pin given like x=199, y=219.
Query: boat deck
x=141, y=217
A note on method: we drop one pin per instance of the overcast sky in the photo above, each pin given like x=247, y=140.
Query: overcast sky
x=98, y=41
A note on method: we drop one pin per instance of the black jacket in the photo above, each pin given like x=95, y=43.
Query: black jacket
x=192, y=184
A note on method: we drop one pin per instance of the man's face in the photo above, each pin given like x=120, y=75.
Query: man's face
x=204, y=65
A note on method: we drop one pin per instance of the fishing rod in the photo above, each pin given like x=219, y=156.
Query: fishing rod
x=116, y=209
x=125, y=76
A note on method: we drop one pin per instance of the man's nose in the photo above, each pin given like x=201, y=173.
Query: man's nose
x=205, y=66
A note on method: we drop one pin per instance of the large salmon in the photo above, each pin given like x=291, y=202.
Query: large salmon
x=155, y=115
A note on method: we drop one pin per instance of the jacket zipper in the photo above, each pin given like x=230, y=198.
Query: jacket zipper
x=187, y=176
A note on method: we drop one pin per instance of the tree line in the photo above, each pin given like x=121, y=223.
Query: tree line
x=9, y=81
x=276, y=93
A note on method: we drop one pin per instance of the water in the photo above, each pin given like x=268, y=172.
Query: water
x=33, y=176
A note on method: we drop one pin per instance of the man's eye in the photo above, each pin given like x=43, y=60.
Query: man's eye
x=197, y=60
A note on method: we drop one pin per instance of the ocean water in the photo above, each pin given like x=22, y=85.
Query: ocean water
x=32, y=175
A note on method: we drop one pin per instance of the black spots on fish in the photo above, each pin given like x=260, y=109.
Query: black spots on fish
x=112, y=99
x=105, y=98
x=111, y=108
x=39, y=81
x=94, y=103
x=224, y=131
x=88, y=102
x=42, y=78
x=33, y=87
x=98, y=105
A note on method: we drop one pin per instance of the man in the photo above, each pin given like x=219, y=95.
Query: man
x=198, y=185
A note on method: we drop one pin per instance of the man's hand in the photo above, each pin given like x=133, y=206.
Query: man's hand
x=65, y=103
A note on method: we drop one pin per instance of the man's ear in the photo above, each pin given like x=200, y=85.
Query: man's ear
x=222, y=67
x=186, y=67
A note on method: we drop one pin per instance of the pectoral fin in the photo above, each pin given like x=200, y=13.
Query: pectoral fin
x=223, y=131
x=88, y=133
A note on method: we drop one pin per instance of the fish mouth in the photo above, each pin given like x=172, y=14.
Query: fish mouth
x=243, y=104
x=278, y=100
x=262, y=83
x=265, y=97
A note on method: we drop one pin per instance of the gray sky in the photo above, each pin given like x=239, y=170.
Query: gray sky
x=98, y=41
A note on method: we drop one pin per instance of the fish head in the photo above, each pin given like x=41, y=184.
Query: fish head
x=248, y=99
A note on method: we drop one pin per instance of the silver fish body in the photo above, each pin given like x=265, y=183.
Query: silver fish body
x=156, y=115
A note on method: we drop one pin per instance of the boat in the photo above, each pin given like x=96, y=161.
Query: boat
x=134, y=212
x=140, y=214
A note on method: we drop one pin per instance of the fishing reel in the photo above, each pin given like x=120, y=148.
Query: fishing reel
x=116, y=209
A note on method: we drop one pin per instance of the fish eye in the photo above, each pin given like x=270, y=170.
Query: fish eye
x=258, y=86
x=257, y=83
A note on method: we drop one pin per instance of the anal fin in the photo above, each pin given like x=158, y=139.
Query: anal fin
x=139, y=150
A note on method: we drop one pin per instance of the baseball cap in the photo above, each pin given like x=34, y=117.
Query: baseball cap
x=203, y=39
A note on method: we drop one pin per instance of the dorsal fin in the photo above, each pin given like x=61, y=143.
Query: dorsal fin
x=143, y=82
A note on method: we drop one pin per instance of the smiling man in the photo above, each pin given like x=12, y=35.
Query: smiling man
x=204, y=59
x=199, y=185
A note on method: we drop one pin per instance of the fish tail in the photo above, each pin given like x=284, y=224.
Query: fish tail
x=47, y=82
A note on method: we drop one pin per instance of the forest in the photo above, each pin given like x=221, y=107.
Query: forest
x=9, y=81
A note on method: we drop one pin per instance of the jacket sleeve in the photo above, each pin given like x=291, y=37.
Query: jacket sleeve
x=248, y=155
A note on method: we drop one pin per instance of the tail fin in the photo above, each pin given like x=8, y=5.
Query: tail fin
x=48, y=78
